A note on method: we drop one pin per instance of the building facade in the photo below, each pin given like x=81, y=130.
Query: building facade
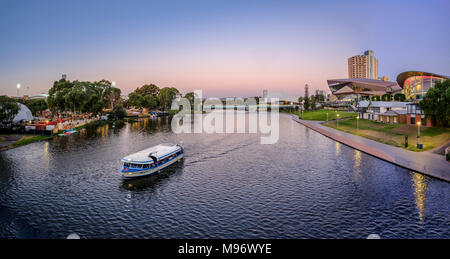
x=363, y=66
x=415, y=84
x=352, y=88
x=414, y=115
x=385, y=112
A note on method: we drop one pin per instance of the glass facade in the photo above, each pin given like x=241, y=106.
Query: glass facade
x=415, y=87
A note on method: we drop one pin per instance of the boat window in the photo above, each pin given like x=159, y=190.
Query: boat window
x=139, y=166
x=126, y=164
x=133, y=165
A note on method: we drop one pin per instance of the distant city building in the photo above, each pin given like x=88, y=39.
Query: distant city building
x=265, y=93
x=384, y=78
x=64, y=76
x=363, y=66
x=283, y=97
x=37, y=97
x=321, y=92
x=306, y=90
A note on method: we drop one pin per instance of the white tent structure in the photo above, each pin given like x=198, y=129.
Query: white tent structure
x=24, y=114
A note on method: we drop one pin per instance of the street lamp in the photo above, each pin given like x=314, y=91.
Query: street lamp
x=18, y=87
x=419, y=146
x=357, y=124
x=337, y=121
x=113, y=84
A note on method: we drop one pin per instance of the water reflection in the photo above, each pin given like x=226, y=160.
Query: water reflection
x=357, y=164
x=338, y=148
x=420, y=184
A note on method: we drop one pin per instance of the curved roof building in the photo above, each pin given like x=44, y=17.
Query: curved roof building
x=415, y=84
x=362, y=86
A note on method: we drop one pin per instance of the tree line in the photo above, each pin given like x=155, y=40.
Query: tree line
x=151, y=96
x=82, y=96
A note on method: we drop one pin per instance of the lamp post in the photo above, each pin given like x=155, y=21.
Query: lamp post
x=419, y=146
x=18, y=87
x=113, y=84
x=337, y=121
x=357, y=124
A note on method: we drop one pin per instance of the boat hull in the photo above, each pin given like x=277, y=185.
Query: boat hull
x=142, y=173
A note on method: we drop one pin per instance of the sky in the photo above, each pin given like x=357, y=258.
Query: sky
x=223, y=47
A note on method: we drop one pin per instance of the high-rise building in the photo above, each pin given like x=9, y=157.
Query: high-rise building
x=306, y=91
x=265, y=93
x=321, y=92
x=363, y=66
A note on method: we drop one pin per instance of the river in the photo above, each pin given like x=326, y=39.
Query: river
x=227, y=186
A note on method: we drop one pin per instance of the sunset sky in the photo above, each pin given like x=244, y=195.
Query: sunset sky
x=225, y=48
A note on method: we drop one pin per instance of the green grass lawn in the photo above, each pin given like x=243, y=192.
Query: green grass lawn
x=2, y=139
x=321, y=115
x=394, y=134
x=28, y=139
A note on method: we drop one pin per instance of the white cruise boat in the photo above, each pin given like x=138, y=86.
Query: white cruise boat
x=151, y=160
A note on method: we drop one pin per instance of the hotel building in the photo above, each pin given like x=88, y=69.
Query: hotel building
x=363, y=66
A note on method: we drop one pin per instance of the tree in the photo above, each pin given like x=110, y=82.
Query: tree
x=166, y=96
x=386, y=97
x=113, y=96
x=36, y=106
x=150, y=102
x=306, y=103
x=399, y=97
x=135, y=99
x=320, y=98
x=8, y=109
x=313, y=102
x=436, y=103
x=56, y=99
x=75, y=98
x=90, y=97
x=150, y=89
x=191, y=96
x=93, y=105
x=118, y=113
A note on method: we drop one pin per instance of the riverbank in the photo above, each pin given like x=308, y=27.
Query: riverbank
x=13, y=140
x=394, y=134
x=426, y=163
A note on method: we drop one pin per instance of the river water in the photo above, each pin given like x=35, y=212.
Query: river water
x=228, y=186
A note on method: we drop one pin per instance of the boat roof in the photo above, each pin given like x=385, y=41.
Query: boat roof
x=160, y=151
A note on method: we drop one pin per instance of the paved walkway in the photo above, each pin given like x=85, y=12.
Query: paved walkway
x=427, y=163
x=9, y=139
